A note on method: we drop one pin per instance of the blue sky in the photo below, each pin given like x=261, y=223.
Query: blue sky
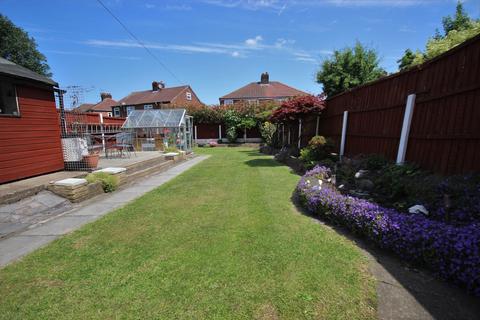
x=217, y=46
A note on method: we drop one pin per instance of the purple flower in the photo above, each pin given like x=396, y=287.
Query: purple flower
x=450, y=251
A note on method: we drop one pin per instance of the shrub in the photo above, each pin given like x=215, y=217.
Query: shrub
x=267, y=130
x=170, y=149
x=451, y=252
x=109, y=182
x=319, y=148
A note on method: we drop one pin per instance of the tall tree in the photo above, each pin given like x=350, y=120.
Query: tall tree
x=349, y=68
x=17, y=46
x=457, y=29
x=460, y=21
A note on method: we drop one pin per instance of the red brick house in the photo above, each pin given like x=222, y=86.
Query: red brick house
x=264, y=90
x=159, y=97
x=104, y=106
x=30, y=142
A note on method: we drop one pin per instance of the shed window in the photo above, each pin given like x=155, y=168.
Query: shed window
x=189, y=96
x=8, y=99
x=148, y=107
x=116, y=112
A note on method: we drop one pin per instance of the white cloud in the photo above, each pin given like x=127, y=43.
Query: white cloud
x=253, y=42
x=89, y=54
x=181, y=7
x=249, y=47
x=281, y=5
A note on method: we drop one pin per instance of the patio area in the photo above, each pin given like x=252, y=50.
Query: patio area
x=18, y=190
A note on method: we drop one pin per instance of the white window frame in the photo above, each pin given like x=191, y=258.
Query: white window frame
x=17, y=112
x=129, y=109
x=188, y=96
x=228, y=101
x=148, y=107
x=116, y=112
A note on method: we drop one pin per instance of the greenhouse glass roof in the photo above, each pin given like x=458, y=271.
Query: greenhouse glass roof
x=164, y=118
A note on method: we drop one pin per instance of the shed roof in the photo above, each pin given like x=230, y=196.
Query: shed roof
x=12, y=69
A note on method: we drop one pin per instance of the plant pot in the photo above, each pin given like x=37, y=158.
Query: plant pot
x=91, y=160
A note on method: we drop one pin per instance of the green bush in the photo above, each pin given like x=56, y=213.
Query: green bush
x=170, y=149
x=319, y=149
x=109, y=182
x=268, y=129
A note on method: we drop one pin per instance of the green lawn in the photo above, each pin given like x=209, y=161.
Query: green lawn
x=221, y=241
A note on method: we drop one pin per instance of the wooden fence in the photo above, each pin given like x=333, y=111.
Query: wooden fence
x=445, y=128
x=204, y=132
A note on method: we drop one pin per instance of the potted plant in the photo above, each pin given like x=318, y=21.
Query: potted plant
x=91, y=160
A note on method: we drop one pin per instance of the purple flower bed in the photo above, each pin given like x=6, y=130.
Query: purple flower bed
x=451, y=252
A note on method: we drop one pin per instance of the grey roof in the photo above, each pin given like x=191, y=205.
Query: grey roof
x=162, y=118
x=12, y=69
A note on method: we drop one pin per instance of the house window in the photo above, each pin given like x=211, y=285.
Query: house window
x=252, y=102
x=8, y=99
x=228, y=101
x=189, y=96
x=148, y=107
x=130, y=109
x=116, y=112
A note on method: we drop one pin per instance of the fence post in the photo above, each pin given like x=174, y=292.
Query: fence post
x=344, y=134
x=288, y=140
x=317, y=127
x=196, y=134
x=407, y=120
x=299, y=133
x=103, y=132
x=220, y=132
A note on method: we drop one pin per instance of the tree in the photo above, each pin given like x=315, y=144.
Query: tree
x=17, y=46
x=349, y=68
x=457, y=29
x=461, y=20
x=298, y=107
x=436, y=47
x=409, y=59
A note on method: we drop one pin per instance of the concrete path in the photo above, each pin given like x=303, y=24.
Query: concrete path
x=39, y=235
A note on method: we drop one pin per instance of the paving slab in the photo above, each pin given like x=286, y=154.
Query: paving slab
x=25, y=242
x=59, y=226
x=18, y=246
x=11, y=227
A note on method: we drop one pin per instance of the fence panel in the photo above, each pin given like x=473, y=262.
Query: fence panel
x=445, y=130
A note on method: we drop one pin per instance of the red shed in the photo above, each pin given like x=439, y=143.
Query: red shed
x=30, y=142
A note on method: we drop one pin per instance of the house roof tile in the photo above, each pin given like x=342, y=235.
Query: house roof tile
x=164, y=95
x=272, y=89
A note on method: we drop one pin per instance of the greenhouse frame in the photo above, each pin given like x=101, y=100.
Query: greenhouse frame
x=163, y=129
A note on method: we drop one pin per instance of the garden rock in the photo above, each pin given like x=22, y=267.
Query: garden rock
x=361, y=174
x=418, y=209
x=365, y=184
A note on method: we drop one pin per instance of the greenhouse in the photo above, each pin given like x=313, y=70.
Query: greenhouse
x=163, y=130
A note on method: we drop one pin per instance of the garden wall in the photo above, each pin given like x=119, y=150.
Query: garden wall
x=445, y=128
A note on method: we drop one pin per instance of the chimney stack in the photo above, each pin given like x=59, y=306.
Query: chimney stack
x=157, y=85
x=105, y=95
x=264, y=79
